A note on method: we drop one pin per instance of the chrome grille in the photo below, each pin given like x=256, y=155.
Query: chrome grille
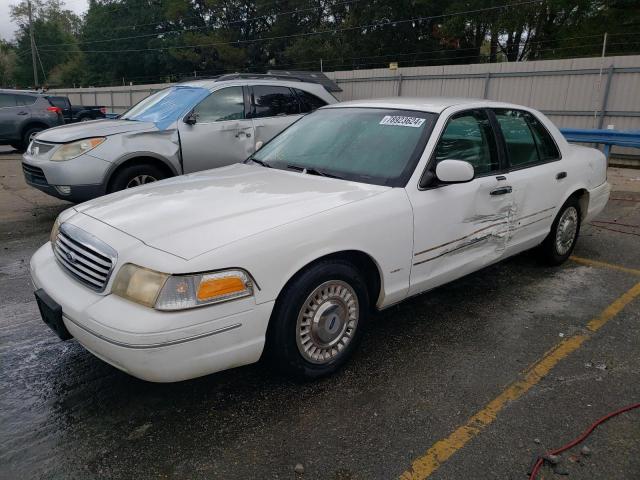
x=84, y=256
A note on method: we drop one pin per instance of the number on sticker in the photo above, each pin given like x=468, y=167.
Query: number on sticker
x=400, y=121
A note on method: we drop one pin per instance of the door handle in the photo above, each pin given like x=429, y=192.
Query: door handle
x=561, y=175
x=501, y=191
x=23, y=113
x=243, y=130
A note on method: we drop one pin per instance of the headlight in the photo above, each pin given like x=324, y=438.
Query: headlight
x=74, y=149
x=178, y=292
x=54, y=231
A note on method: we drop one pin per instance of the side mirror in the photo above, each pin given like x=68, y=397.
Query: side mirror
x=259, y=144
x=454, y=171
x=191, y=118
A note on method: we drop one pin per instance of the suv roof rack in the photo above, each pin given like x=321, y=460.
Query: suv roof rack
x=295, y=76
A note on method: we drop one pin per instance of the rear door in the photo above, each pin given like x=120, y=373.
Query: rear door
x=273, y=108
x=222, y=133
x=535, y=173
x=11, y=117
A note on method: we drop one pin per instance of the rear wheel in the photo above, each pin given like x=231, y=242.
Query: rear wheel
x=562, y=238
x=134, y=176
x=318, y=320
x=29, y=135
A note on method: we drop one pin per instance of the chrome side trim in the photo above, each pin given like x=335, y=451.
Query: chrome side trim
x=140, y=346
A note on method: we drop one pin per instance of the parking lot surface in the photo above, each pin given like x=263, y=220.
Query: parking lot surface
x=471, y=380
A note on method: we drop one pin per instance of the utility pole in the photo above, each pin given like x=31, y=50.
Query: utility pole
x=33, y=46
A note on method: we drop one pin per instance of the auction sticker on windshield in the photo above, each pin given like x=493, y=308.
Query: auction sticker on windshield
x=401, y=121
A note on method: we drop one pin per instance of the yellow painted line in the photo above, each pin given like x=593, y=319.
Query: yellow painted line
x=442, y=450
x=597, y=263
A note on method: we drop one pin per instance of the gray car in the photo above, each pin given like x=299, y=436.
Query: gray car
x=24, y=114
x=182, y=129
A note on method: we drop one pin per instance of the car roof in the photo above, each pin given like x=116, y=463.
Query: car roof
x=21, y=92
x=211, y=83
x=426, y=104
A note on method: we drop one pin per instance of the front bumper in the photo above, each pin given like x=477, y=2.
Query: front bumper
x=152, y=345
x=85, y=176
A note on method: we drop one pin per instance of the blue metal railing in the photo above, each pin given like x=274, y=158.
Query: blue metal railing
x=607, y=138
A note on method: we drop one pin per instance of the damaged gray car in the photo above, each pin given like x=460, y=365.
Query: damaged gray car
x=184, y=128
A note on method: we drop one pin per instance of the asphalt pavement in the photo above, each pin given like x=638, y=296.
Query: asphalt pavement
x=472, y=380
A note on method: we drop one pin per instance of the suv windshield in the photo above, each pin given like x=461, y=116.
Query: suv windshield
x=166, y=106
x=371, y=145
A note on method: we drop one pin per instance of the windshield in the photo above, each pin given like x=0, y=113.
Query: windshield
x=371, y=145
x=166, y=106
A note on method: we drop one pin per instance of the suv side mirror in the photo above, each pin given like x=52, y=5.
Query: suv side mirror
x=191, y=118
x=454, y=171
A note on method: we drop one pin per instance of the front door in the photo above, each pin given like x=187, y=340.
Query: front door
x=459, y=228
x=221, y=134
x=274, y=108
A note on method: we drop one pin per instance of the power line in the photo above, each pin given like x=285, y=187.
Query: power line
x=323, y=32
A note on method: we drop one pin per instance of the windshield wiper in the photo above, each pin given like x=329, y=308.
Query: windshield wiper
x=313, y=171
x=260, y=162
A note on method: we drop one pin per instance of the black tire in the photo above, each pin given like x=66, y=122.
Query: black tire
x=26, y=138
x=124, y=178
x=553, y=253
x=282, y=339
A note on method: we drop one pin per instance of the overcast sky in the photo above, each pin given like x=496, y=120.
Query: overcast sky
x=7, y=28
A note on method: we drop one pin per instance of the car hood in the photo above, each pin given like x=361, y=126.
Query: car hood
x=190, y=215
x=97, y=128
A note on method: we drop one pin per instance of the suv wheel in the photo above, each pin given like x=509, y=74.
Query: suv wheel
x=318, y=320
x=29, y=135
x=134, y=176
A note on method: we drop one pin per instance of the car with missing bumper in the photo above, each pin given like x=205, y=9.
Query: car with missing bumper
x=354, y=208
x=181, y=129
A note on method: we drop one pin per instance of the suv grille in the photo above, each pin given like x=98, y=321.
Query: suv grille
x=34, y=174
x=84, y=256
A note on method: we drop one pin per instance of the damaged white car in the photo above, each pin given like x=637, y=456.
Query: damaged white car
x=355, y=207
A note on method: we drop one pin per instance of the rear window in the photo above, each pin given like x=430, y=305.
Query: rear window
x=308, y=101
x=26, y=99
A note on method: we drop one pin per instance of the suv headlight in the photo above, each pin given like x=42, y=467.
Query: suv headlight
x=74, y=149
x=178, y=292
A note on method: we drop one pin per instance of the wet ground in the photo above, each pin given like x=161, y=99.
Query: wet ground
x=425, y=368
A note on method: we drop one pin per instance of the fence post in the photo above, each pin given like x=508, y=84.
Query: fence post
x=399, y=89
x=605, y=97
x=487, y=79
x=111, y=100
x=130, y=96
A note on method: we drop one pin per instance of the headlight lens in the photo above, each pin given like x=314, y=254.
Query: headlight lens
x=54, y=231
x=74, y=149
x=179, y=292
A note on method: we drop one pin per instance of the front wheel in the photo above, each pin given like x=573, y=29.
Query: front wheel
x=134, y=176
x=318, y=320
x=29, y=135
x=562, y=238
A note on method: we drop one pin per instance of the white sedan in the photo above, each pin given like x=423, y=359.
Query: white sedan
x=354, y=208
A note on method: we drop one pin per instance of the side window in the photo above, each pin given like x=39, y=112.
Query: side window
x=221, y=105
x=468, y=136
x=59, y=102
x=547, y=149
x=522, y=147
x=308, y=101
x=7, y=100
x=26, y=99
x=271, y=101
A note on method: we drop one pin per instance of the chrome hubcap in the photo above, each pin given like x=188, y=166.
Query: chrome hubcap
x=140, y=180
x=566, y=232
x=327, y=322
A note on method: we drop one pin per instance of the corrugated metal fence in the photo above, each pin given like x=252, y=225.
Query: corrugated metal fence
x=578, y=92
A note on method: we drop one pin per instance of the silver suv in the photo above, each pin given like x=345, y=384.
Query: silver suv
x=23, y=114
x=182, y=129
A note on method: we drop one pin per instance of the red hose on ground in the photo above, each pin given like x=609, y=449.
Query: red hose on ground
x=585, y=434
